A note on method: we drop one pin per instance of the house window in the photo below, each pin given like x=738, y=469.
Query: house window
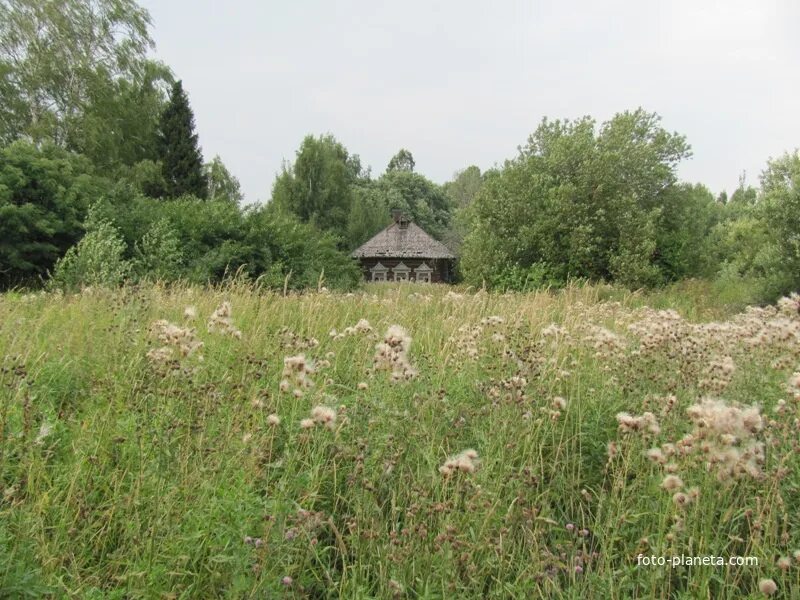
x=423, y=273
x=378, y=272
x=401, y=272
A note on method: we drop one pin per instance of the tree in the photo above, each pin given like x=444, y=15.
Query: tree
x=419, y=198
x=402, y=161
x=221, y=184
x=578, y=201
x=181, y=159
x=76, y=72
x=318, y=188
x=96, y=260
x=44, y=197
x=464, y=187
x=780, y=184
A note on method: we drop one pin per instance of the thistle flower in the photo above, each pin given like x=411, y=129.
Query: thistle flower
x=273, y=420
x=784, y=563
x=466, y=462
x=646, y=422
x=767, y=587
x=182, y=339
x=324, y=415
x=559, y=403
x=680, y=499
x=672, y=483
x=362, y=386
x=392, y=354
x=307, y=423
x=221, y=321
x=656, y=455
x=611, y=449
x=297, y=372
x=190, y=313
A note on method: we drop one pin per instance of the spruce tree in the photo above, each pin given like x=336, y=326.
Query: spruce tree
x=181, y=159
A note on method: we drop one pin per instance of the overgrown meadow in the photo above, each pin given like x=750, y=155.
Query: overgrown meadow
x=399, y=442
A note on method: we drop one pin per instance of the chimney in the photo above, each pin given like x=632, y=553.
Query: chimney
x=399, y=218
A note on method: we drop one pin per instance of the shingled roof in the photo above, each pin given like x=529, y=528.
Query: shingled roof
x=403, y=240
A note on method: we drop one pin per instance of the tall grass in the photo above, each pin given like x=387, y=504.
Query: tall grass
x=125, y=477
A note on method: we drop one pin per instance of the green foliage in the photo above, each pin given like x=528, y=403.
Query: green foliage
x=464, y=187
x=76, y=72
x=686, y=218
x=586, y=203
x=208, y=240
x=96, y=261
x=221, y=184
x=418, y=197
x=159, y=255
x=780, y=183
x=402, y=161
x=318, y=188
x=44, y=197
x=283, y=247
x=147, y=178
x=369, y=213
x=178, y=150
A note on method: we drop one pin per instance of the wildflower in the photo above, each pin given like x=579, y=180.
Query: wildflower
x=728, y=437
x=190, y=313
x=297, y=372
x=273, y=420
x=465, y=462
x=680, y=499
x=220, y=321
x=611, y=449
x=767, y=587
x=392, y=354
x=629, y=423
x=493, y=321
x=559, y=403
x=784, y=563
x=656, y=455
x=176, y=339
x=307, y=423
x=324, y=415
x=672, y=482
x=362, y=386
x=287, y=581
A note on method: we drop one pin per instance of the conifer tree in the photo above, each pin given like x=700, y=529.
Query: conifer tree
x=181, y=159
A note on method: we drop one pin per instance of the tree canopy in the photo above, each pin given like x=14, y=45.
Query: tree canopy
x=178, y=148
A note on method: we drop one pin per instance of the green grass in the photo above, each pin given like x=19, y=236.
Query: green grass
x=151, y=478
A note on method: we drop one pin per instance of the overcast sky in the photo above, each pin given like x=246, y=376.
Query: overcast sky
x=465, y=82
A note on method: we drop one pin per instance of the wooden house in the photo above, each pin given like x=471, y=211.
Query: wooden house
x=404, y=252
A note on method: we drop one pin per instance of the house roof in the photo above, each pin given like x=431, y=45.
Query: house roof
x=410, y=241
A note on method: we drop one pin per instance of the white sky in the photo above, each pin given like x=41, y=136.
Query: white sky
x=461, y=82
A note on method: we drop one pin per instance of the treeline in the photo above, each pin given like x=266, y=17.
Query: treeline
x=102, y=180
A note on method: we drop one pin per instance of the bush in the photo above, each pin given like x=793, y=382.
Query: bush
x=96, y=260
x=159, y=255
